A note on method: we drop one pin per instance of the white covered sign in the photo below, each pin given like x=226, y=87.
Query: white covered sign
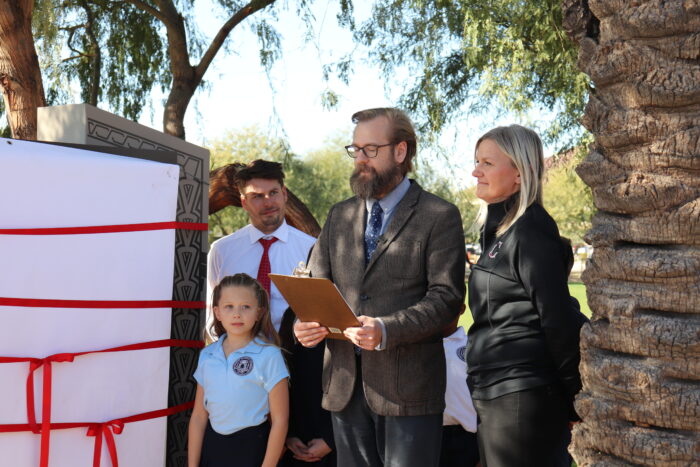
x=45, y=186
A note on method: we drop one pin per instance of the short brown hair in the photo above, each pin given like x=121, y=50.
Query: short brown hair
x=401, y=130
x=259, y=168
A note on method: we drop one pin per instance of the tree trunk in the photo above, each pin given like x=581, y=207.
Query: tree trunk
x=95, y=53
x=223, y=192
x=640, y=360
x=185, y=80
x=20, y=76
x=186, y=77
x=175, y=107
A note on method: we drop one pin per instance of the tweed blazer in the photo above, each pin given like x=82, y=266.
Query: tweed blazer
x=414, y=283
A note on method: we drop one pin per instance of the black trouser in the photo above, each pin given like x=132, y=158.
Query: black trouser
x=244, y=448
x=365, y=439
x=459, y=447
x=524, y=428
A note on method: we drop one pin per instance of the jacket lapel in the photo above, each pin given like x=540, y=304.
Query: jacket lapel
x=404, y=211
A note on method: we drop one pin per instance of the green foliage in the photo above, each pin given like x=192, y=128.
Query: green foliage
x=242, y=146
x=114, y=51
x=459, y=56
x=245, y=146
x=117, y=51
x=468, y=206
x=5, y=130
x=439, y=182
x=319, y=180
x=568, y=199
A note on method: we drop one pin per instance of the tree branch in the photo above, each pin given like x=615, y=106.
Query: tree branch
x=216, y=43
x=148, y=9
x=80, y=55
x=71, y=35
x=72, y=28
x=96, y=56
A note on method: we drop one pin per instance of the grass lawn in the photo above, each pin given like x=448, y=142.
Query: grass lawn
x=576, y=289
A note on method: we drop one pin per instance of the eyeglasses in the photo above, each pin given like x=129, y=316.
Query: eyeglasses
x=370, y=150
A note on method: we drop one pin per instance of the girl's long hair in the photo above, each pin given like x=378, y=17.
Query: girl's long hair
x=524, y=148
x=263, y=328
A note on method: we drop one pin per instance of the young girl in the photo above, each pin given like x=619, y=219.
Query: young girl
x=241, y=409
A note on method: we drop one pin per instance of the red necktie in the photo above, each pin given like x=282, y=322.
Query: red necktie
x=264, y=268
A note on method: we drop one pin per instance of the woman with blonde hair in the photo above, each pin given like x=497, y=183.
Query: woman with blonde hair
x=523, y=346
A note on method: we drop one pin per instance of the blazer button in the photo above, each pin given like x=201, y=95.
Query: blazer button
x=364, y=297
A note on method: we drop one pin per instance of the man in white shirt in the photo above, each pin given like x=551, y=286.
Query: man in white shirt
x=267, y=244
x=459, y=444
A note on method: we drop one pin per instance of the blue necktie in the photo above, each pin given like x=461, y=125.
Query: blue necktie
x=375, y=228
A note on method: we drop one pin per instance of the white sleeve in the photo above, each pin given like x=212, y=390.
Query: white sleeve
x=213, y=272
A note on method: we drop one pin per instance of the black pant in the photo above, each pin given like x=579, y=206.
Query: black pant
x=459, y=447
x=365, y=439
x=244, y=448
x=524, y=428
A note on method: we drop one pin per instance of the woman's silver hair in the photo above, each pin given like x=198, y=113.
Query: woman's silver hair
x=524, y=148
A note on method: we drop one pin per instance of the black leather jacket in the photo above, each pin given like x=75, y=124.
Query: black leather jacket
x=526, y=325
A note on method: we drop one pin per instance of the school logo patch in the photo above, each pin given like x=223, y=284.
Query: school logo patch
x=243, y=366
x=494, y=250
x=461, y=353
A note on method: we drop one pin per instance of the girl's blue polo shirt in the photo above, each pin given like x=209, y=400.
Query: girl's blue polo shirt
x=236, y=388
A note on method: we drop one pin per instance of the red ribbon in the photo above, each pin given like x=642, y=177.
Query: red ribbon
x=53, y=303
x=97, y=229
x=104, y=429
x=99, y=430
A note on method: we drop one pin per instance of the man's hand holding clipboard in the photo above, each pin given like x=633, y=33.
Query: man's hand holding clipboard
x=323, y=312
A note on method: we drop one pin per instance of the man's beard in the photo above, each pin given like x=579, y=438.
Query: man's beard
x=377, y=183
x=274, y=221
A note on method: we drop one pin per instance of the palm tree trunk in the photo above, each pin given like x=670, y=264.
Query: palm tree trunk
x=640, y=361
x=20, y=76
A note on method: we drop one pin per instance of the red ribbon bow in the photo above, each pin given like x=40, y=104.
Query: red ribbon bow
x=107, y=431
x=45, y=431
x=99, y=430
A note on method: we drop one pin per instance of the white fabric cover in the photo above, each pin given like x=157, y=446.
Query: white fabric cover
x=44, y=185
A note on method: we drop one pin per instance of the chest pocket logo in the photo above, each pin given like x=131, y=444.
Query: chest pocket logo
x=461, y=353
x=494, y=250
x=243, y=366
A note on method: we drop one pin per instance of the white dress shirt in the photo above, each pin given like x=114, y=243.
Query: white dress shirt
x=241, y=252
x=459, y=409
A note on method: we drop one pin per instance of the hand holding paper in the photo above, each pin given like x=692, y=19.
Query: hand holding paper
x=319, y=305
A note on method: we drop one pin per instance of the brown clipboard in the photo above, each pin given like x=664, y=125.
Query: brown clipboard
x=318, y=300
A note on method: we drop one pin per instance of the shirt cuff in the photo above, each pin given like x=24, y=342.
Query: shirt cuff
x=382, y=344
